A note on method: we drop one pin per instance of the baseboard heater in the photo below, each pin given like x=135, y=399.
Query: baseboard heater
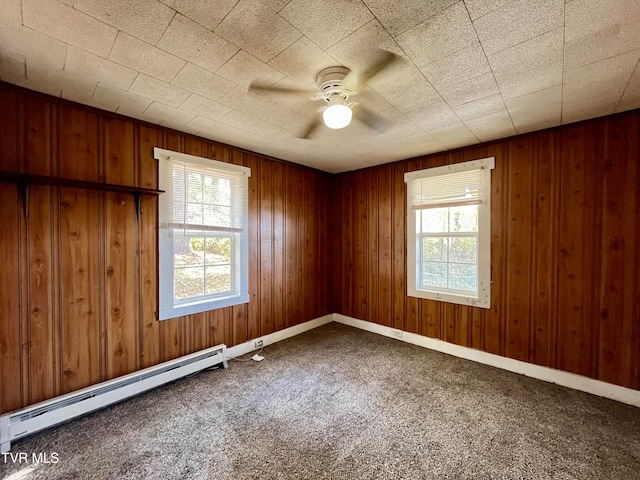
x=20, y=423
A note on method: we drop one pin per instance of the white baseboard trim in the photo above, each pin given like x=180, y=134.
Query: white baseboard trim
x=566, y=379
x=274, y=337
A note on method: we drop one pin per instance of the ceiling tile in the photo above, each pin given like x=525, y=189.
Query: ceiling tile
x=115, y=99
x=476, y=88
x=479, y=8
x=612, y=73
x=434, y=116
x=194, y=43
x=161, y=114
x=631, y=97
x=537, y=110
x=537, y=52
x=518, y=21
x=60, y=83
x=244, y=68
x=457, y=68
x=206, y=13
x=11, y=12
x=442, y=35
x=38, y=47
x=302, y=61
x=251, y=26
x=69, y=25
x=529, y=101
x=255, y=126
x=405, y=87
x=13, y=67
x=84, y=63
x=284, y=118
x=240, y=99
x=358, y=50
x=145, y=58
x=530, y=81
x=455, y=135
x=537, y=118
x=480, y=108
x=398, y=17
x=602, y=102
x=596, y=30
x=204, y=107
x=339, y=19
x=144, y=19
x=202, y=82
x=157, y=90
x=276, y=5
x=492, y=126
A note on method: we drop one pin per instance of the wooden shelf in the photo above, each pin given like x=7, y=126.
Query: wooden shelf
x=24, y=180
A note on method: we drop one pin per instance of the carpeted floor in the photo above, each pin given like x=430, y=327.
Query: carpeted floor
x=340, y=403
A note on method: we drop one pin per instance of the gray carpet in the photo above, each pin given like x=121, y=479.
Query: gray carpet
x=340, y=403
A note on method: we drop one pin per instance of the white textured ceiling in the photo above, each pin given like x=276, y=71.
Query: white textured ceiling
x=470, y=70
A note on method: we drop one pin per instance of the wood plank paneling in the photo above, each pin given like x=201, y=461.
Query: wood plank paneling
x=278, y=235
x=122, y=356
x=78, y=144
x=38, y=148
x=619, y=226
x=81, y=362
x=266, y=250
x=291, y=260
x=10, y=306
x=40, y=256
x=577, y=286
x=11, y=131
x=519, y=248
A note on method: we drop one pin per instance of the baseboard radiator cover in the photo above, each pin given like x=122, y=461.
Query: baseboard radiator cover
x=37, y=417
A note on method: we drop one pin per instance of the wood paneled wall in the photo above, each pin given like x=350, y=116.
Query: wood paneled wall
x=78, y=287
x=565, y=251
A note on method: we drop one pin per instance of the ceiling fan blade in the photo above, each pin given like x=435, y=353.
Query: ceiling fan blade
x=355, y=80
x=370, y=119
x=265, y=88
x=311, y=127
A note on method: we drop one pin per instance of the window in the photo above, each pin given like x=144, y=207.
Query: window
x=449, y=233
x=203, y=242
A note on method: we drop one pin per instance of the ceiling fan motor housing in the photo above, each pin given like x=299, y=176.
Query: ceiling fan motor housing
x=331, y=84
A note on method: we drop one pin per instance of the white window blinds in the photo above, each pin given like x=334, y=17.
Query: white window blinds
x=203, y=195
x=461, y=184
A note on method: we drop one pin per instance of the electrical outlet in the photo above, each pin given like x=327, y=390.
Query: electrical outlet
x=397, y=333
x=259, y=343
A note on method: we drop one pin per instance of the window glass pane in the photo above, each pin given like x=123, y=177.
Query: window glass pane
x=218, y=279
x=189, y=282
x=194, y=213
x=464, y=218
x=435, y=220
x=434, y=249
x=463, y=277
x=194, y=187
x=434, y=274
x=218, y=250
x=463, y=249
x=187, y=251
x=217, y=215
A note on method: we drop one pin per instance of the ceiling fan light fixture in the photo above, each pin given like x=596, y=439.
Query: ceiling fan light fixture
x=337, y=114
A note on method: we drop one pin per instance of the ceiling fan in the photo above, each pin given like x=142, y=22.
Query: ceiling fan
x=336, y=85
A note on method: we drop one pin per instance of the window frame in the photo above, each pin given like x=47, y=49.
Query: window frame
x=482, y=297
x=168, y=306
